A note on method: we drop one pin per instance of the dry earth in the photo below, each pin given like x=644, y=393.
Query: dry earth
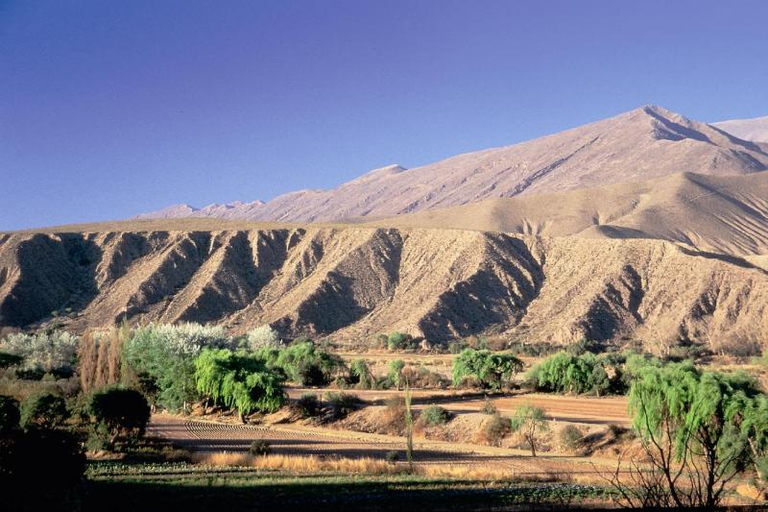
x=352, y=283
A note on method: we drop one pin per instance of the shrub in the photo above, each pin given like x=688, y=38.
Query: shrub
x=395, y=373
x=435, y=415
x=302, y=362
x=9, y=414
x=44, y=352
x=400, y=341
x=260, y=447
x=10, y=360
x=488, y=407
x=238, y=380
x=45, y=410
x=392, y=456
x=308, y=405
x=342, y=404
x=571, y=438
x=164, y=355
x=123, y=412
x=360, y=375
x=263, y=337
x=422, y=377
x=494, y=429
x=493, y=371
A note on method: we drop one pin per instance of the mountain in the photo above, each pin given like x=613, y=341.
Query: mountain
x=748, y=129
x=647, y=143
x=723, y=214
x=351, y=283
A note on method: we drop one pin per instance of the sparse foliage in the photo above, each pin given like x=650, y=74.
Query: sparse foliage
x=263, y=337
x=44, y=352
x=530, y=421
x=45, y=410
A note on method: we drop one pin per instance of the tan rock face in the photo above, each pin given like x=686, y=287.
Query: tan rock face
x=350, y=283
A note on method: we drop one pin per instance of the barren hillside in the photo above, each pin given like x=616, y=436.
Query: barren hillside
x=647, y=143
x=748, y=129
x=724, y=214
x=351, y=283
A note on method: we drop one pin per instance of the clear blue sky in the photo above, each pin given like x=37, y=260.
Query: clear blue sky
x=111, y=108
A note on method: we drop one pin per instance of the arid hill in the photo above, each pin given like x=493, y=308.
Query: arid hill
x=647, y=143
x=723, y=214
x=755, y=129
x=350, y=283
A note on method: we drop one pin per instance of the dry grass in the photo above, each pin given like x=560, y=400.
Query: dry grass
x=299, y=463
x=486, y=473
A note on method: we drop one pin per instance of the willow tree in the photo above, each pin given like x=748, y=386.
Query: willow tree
x=239, y=380
x=694, y=441
x=493, y=370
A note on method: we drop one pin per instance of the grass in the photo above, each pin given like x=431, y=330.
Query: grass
x=300, y=464
x=191, y=487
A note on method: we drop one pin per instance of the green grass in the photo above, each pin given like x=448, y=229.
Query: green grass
x=181, y=486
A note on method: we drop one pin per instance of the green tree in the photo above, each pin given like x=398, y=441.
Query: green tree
x=578, y=374
x=45, y=410
x=302, y=362
x=696, y=441
x=124, y=412
x=395, y=372
x=360, y=374
x=530, y=421
x=239, y=380
x=165, y=356
x=494, y=370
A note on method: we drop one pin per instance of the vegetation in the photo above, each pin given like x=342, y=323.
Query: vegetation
x=307, y=405
x=302, y=362
x=122, y=413
x=529, y=421
x=260, y=447
x=238, y=380
x=400, y=341
x=492, y=370
x=494, y=429
x=360, y=375
x=45, y=410
x=578, y=374
x=100, y=357
x=263, y=337
x=164, y=356
x=700, y=430
x=571, y=438
x=342, y=404
x=54, y=353
x=9, y=414
x=395, y=373
x=435, y=415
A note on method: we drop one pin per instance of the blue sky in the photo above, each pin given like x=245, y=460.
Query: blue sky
x=108, y=109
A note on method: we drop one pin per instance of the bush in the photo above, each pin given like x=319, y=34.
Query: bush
x=45, y=410
x=395, y=373
x=435, y=415
x=586, y=373
x=9, y=414
x=260, y=447
x=488, y=407
x=360, y=375
x=392, y=456
x=239, y=380
x=422, y=377
x=123, y=412
x=165, y=356
x=308, y=405
x=571, y=438
x=302, y=362
x=400, y=341
x=263, y=337
x=494, y=429
x=493, y=371
x=44, y=352
x=342, y=404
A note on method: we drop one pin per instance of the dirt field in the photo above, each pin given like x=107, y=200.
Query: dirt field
x=582, y=410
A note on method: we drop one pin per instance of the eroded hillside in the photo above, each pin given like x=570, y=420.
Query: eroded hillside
x=350, y=283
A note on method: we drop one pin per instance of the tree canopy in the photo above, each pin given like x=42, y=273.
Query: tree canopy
x=492, y=370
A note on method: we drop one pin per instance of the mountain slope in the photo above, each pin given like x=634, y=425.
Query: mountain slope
x=354, y=282
x=643, y=144
x=724, y=214
x=755, y=130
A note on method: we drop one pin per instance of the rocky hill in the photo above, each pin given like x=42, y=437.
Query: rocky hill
x=350, y=283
